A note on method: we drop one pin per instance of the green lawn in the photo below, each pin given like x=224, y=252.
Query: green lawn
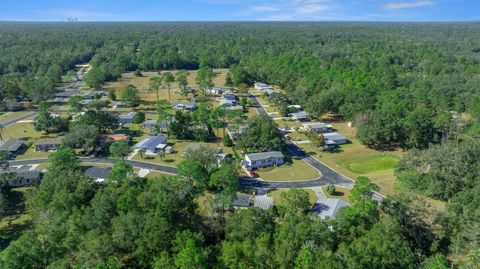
x=277, y=200
x=364, y=165
x=7, y=116
x=340, y=193
x=16, y=220
x=298, y=170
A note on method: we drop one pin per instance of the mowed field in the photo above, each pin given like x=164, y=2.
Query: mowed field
x=148, y=96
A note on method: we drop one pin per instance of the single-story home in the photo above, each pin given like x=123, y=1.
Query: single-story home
x=327, y=208
x=118, y=104
x=269, y=91
x=64, y=94
x=228, y=95
x=263, y=159
x=149, y=123
x=190, y=106
x=113, y=137
x=262, y=201
x=100, y=174
x=12, y=146
x=337, y=138
x=23, y=177
x=318, y=127
x=47, y=144
x=91, y=94
x=59, y=100
x=228, y=102
x=241, y=201
x=215, y=90
x=127, y=118
x=152, y=144
x=300, y=116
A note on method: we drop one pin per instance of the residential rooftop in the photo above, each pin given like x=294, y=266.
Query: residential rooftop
x=264, y=155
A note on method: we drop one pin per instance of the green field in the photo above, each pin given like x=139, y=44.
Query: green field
x=277, y=199
x=370, y=164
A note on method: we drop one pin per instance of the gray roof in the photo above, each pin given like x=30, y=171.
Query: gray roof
x=264, y=155
x=316, y=125
x=242, y=200
x=150, y=121
x=301, y=114
x=11, y=145
x=151, y=142
x=328, y=207
x=24, y=174
x=333, y=136
x=48, y=141
x=98, y=172
x=195, y=146
x=263, y=202
x=130, y=115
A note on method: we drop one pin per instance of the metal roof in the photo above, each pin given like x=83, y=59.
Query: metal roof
x=151, y=142
x=48, y=141
x=264, y=155
x=98, y=172
x=333, y=136
x=315, y=125
x=301, y=114
x=242, y=200
x=263, y=202
x=328, y=207
x=24, y=174
x=12, y=145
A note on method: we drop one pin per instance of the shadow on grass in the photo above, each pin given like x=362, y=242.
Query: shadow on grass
x=14, y=211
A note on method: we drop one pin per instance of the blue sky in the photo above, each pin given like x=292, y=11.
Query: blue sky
x=241, y=10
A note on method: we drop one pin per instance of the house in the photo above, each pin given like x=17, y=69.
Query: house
x=327, y=208
x=300, y=116
x=100, y=174
x=47, y=144
x=127, y=118
x=228, y=102
x=152, y=144
x=336, y=138
x=318, y=127
x=190, y=106
x=228, y=95
x=64, y=94
x=92, y=94
x=215, y=90
x=149, y=124
x=59, y=100
x=269, y=91
x=262, y=201
x=23, y=177
x=12, y=146
x=113, y=137
x=263, y=159
x=241, y=201
x=13, y=105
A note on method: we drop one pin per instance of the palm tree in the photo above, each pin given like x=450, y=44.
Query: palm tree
x=155, y=83
x=168, y=79
x=142, y=151
x=161, y=154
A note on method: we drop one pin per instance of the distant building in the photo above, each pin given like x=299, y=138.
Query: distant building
x=127, y=118
x=113, y=137
x=336, y=138
x=318, y=127
x=300, y=116
x=22, y=177
x=263, y=159
x=260, y=86
x=120, y=104
x=264, y=202
x=221, y=156
x=47, y=144
x=241, y=201
x=149, y=123
x=327, y=208
x=100, y=174
x=12, y=146
x=152, y=144
x=190, y=106
x=228, y=102
x=228, y=95
x=215, y=90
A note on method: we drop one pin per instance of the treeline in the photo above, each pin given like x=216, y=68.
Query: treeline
x=184, y=221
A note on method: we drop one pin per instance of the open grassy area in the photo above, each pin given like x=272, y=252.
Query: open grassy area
x=277, y=199
x=156, y=174
x=298, y=170
x=340, y=193
x=370, y=164
x=7, y=116
x=16, y=220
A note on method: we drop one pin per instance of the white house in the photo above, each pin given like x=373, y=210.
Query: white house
x=152, y=144
x=336, y=138
x=318, y=127
x=263, y=159
x=215, y=90
x=228, y=102
x=260, y=86
x=300, y=116
x=127, y=118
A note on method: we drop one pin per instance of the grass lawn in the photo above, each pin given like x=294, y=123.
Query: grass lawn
x=277, y=199
x=156, y=175
x=340, y=193
x=370, y=164
x=16, y=220
x=298, y=170
x=7, y=116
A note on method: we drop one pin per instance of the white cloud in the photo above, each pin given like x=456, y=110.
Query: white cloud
x=409, y=4
x=291, y=9
x=312, y=8
x=265, y=8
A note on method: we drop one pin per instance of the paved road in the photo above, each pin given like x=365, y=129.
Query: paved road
x=13, y=121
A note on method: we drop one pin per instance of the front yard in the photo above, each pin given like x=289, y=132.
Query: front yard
x=277, y=199
x=297, y=170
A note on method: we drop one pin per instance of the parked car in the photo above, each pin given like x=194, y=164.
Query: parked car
x=253, y=173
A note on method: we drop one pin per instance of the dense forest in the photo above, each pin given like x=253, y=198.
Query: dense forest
x=414, y=86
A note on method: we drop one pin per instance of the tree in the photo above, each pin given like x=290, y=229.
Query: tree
x=243, y=89
x=47, y=121
x=120, y=149
x=331, y=189
x=168, y=79
x=75, y=103
x=205, y=77
x=244, y=103
x=142, y=151
x=227, y=141
x=260, y=134
x=225, y=182
x=161, y=154
x=180, y=126
x=112, y=95
x=155, y=83
x=139, y=117
x=295, y=201
x=130, y=94
x=120, y=173
x=1, y=131
x=82, y=136
x=181, y=78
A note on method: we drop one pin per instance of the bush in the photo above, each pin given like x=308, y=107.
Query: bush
x=227, y=141
x=331, y=189
x=139, y=118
